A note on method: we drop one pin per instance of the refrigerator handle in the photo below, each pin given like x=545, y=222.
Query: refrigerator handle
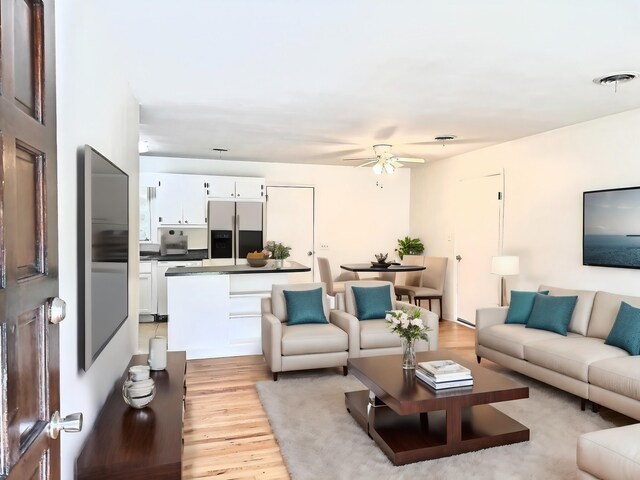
x=237, y=237
x=234, y=234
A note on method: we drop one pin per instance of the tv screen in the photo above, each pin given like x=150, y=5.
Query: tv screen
x=611, y=225
x=105, y=258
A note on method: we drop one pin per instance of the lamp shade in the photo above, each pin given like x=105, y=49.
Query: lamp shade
x=505, y=265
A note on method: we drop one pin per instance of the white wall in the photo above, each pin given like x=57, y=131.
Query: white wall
x=545, y=176
x=95, y=106
x=356, y=218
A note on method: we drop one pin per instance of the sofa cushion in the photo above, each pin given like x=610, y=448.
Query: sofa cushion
x=313, y=338
x=376, y=334
x=570, y=356
x=279, y=305
x=619, y=375
x=510, y=339
x=581, y=314
x=612, y=453
x=304, y=307
x=372, y=302
x=626, y=330
x=552, y=313
x=350, y=301
x=605, y=310
x=521, y=305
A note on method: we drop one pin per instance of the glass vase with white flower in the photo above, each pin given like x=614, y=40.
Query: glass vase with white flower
x=408, y=324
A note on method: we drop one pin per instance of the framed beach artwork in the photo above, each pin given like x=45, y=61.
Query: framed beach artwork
x=611, y=228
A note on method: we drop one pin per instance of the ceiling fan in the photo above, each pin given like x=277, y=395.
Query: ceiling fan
x=384, y=160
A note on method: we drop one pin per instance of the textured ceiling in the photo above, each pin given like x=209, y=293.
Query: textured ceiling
x=318, y=81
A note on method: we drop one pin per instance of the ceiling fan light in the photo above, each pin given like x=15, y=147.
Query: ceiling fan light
x=389, y=168
x=377, y=169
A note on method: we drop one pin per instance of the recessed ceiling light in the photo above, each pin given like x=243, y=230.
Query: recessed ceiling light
x=615, y=78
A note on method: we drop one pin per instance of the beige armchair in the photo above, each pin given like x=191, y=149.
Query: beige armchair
x=373, y=337
x=431, y=284
x=300, y=347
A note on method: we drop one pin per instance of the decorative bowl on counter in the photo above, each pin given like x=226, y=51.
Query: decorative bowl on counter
x=256, y=259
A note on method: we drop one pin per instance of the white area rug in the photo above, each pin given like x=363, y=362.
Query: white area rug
x=320, y=440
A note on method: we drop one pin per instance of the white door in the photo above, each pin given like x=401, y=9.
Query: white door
x=290, y=221
x=477, y=239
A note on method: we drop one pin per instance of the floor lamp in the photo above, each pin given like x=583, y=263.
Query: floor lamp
x=505, y=265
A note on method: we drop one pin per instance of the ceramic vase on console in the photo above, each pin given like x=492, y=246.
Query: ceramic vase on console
x=408, y=354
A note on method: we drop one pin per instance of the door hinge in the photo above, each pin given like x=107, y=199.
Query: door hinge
x=499, y=195
x=159, y=219
x=159, y=182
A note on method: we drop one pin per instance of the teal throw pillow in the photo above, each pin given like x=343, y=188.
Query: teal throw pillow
x=372, y=302
x=552, y=313
x=521, y=306
x=304, y=306
x=626, y=330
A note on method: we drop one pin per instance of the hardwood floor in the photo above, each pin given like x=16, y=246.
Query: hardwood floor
x=226, y=431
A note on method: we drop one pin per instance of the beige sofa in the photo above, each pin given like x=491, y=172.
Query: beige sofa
x=581, y=364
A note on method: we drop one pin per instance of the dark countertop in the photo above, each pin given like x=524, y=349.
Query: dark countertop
x=190, y=255
x=289, y=267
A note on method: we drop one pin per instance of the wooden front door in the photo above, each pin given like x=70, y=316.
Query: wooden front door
x=29, y=373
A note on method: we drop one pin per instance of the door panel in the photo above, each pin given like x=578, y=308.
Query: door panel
x=477, y=239
x=290, y=220
x=30, y=226
x=29, y=345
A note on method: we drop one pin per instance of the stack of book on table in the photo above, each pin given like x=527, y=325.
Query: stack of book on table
x=440, y=374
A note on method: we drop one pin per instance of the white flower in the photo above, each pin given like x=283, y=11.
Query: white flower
x=405, y=322
x=418, y=323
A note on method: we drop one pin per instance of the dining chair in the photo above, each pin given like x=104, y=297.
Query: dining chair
x=405, y=281
x=432, y=283
x=336, y=285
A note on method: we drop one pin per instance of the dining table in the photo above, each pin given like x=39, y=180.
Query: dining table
x=391, y=268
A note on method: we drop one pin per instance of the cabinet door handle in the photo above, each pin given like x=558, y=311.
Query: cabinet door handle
x=179, y=221
x=186, y=221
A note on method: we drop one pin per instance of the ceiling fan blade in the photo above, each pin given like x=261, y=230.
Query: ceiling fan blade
x=410, y=159
x=359, y=159
x=396, y=164
x=368, y=163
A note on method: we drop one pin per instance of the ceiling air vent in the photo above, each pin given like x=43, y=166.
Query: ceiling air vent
x=616, y=78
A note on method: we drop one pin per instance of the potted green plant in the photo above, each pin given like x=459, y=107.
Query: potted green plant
x=278, y=251
x=409, y=246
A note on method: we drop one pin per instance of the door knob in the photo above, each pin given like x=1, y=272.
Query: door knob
x=309, y=253
x=70, y=423
x=56, y=310
x=458, y=257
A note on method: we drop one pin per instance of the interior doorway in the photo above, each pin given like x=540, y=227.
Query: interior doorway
x=290, y=220
x=477, y=239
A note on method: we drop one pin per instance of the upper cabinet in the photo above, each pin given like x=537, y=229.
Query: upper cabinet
x=235, y=188
x=180, y=200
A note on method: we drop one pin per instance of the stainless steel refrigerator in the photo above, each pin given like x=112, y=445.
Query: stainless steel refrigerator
x=235, y=229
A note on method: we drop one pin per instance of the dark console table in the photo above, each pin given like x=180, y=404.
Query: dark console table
x=128, y=443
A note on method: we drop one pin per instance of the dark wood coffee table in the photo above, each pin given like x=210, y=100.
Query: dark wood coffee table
x=411, y=422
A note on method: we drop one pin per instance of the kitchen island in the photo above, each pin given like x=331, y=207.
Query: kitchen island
x=214, y=311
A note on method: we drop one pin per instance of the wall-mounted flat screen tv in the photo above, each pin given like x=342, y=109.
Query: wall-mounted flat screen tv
x=611, y=225
x=104, y=258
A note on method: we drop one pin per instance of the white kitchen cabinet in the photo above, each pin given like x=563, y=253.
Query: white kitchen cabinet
x=235, y=188
x=250, y=190
x=220, y=187
x=181, y=200
x=147, y=292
